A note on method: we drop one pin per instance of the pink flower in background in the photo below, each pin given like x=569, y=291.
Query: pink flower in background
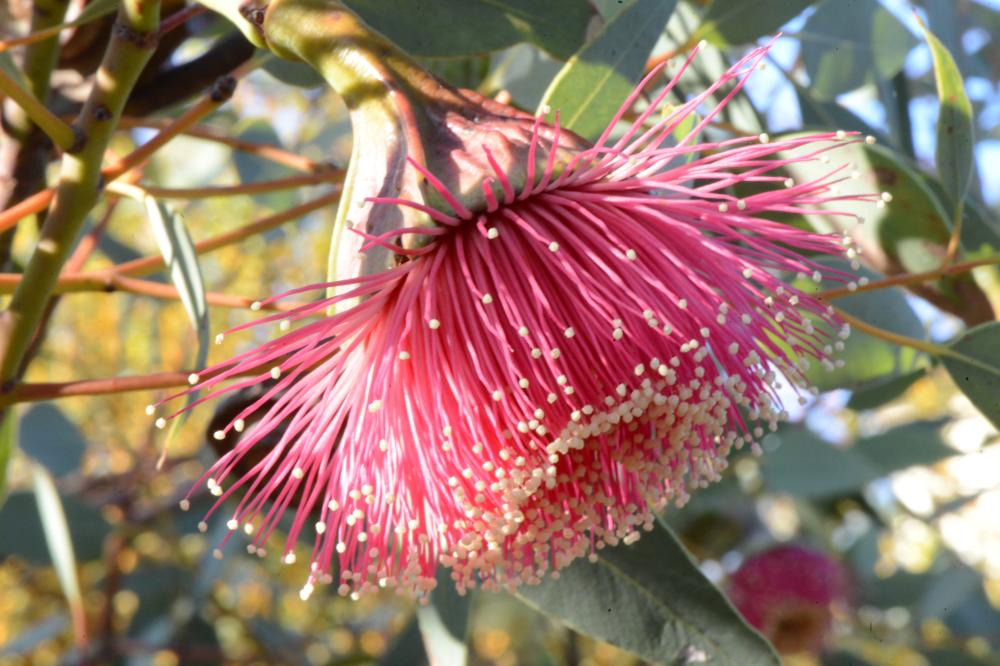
x=789, y=594
x=541, y=372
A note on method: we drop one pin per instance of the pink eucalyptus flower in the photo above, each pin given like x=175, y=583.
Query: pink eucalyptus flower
x=541, y=371
x=789, y=594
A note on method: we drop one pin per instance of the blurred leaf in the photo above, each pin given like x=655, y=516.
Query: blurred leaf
x=881, y=392
x=448, y=28
x=21, y=531
x=900, y=589
x=157, y=587
x=407, y=649
x=954, y=126
x=793, y=455
x=825, y=115
x=744, y=21
x=51, y=439
x=32, y=637
x=181, y=260
x=842, y=659
x=908, y=235
x=588, y=91
x=918, y=443
x=955, y=657
x=974, y=365
x=651, y=599
x=8, y=438
x=253, y=169
x=849, y=43
x=279, y=642
x=444, y=623
x=297, y=74
x=58, y=539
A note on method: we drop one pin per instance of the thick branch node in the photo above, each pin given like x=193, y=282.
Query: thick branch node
x=254, y=13
x=143, y=40
x=101, y=113
x=79, y=139
x=222, y=89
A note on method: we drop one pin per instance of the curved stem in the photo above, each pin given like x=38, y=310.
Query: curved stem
x=889, y=336
x=62, y=135
x=909, y=279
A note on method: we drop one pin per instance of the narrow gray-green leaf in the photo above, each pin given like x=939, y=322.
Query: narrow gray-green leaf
x=651, y=599
x=592, y=86
x=182, y=264
x=444, y=623
x=743, y=21
x=974, y=365
x=57, y=537
x=8, y=432
x=954, y=128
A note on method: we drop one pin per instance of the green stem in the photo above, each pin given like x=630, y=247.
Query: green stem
x=374, y=79
x=61, y=134
x=895, y=338
x=39, y=61
x=132, y=42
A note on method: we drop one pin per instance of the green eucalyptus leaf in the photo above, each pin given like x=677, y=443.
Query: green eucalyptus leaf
x=973, y=362
x=954, y=127
x=846, y=47
x=651, y=599
x=917, y=443
x=793, y=455
x=449, y=28
x=745, y=21
x=588, y=91
x=883, y=391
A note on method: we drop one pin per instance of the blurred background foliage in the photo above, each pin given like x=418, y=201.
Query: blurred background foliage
x=891, y=470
